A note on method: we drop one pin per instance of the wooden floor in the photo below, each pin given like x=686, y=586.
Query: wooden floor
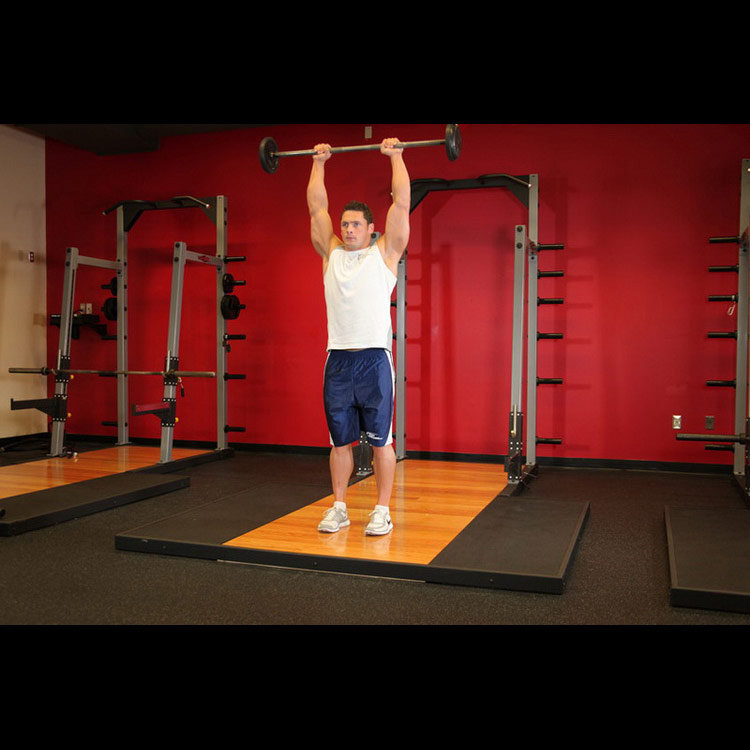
x=18, y=479
x=432, y=502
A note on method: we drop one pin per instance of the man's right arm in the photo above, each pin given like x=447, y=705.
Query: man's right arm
x=321, y=226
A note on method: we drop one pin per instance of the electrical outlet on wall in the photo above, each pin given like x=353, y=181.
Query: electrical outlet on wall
x=676, y=422
x=710, y=421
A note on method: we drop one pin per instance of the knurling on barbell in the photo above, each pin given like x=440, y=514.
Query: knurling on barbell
x=269, y=153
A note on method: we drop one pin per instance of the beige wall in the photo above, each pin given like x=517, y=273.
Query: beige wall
x=23, y=301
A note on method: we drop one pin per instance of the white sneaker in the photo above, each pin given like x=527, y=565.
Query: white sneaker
x=334, y=519
x=380, y=523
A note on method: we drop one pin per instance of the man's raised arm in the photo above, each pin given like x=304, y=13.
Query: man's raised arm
x=396, y=235
x=321, y=226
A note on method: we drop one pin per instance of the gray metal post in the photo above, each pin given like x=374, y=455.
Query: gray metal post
x=123, y=414
x=531, y=361
x=173, y=345
x=175, y=303
x=516, y=428
x=180, y=257
x=63, y=347
x=400, y=438
x=531, y=357
x=741, y=390
x=73, y=259
x=519, y=270
x=221, y=325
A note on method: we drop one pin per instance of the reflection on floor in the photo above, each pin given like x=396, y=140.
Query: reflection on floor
x=33, y=476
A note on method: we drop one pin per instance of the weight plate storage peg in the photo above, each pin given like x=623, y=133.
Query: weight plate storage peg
x=231, y=307
x=228, y=283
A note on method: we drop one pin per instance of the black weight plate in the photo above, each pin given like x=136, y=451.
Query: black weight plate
x=109, y=308
x=452, y=142
x=267, y=154
x=230, y=307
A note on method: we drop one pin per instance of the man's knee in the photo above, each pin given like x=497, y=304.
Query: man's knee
x=384, y=452
x=341, y=450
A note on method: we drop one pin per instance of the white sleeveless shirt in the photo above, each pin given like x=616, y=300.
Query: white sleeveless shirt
x=358, y=287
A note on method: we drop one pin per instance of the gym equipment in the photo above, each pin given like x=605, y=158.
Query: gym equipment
x=520, y=464
x=42, y=508
x=81, y=320
x=112, y=286
x=115, y=308
x=737, y=441
x=708, y=547
x=269, y=153
x=109, y=308
x=519, y=543
x=228, y=283
x=231, y=307
x=166, y=411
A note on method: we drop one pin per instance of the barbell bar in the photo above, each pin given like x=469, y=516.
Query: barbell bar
x=269, y=153
x=112, y=373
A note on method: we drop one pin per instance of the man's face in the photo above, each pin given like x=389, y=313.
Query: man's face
x=355, y=232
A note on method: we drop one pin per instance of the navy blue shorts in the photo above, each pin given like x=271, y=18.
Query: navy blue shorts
x=358, y=396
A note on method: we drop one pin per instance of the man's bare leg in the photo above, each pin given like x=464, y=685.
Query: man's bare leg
x=341, y=462
x=342, y=465
x=384, y=463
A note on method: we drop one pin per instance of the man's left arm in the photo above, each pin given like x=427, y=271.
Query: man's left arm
x=396, y=235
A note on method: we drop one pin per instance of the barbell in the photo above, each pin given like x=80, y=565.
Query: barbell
x=269, y=153
x=113, y=373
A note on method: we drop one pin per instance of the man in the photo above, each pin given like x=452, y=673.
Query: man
x=359, y=275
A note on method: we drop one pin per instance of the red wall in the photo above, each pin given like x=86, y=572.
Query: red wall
x=633, y=205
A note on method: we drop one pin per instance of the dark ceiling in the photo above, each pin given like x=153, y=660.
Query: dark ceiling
x=109, y=139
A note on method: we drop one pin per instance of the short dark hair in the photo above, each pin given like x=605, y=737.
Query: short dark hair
x=359, y=206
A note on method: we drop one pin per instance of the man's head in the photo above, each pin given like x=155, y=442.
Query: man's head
x=356, y=225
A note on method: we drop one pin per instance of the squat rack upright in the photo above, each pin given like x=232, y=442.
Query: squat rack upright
x=737, y=442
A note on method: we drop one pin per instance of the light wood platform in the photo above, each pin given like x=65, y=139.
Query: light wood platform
x=33, y=476
x=432, y=502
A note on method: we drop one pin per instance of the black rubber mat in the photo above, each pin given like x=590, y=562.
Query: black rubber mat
x=514, y=543
x=34, y=510
x=709, y=558
x=229, y=517
x=182, y=464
